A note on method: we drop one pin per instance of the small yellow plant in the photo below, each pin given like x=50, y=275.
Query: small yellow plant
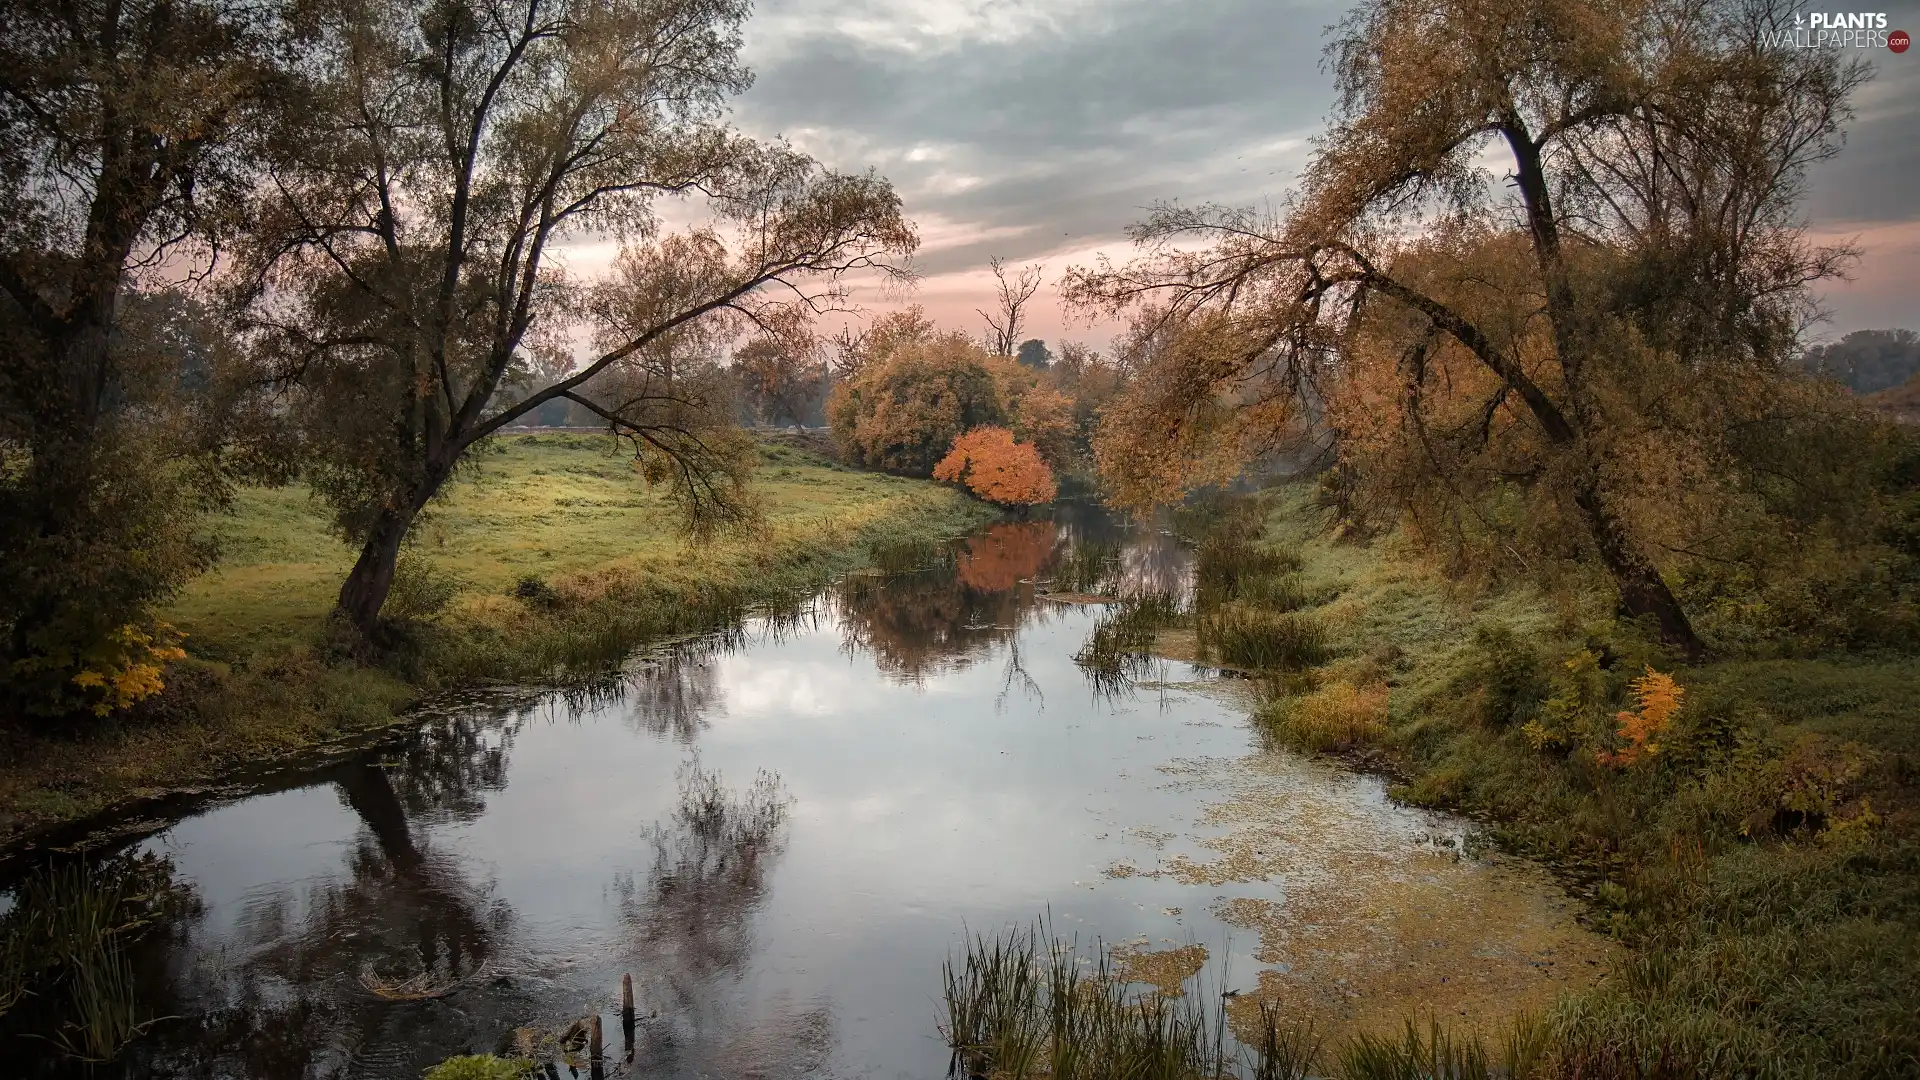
x=126, y=667
x=1657, y=698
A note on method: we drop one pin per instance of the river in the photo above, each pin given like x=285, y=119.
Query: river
x=781, y=831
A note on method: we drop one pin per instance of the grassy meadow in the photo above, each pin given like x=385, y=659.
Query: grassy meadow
x=1760, y=855
x=547, y=560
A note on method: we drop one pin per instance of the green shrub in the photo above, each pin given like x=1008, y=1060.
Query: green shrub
x=481, y=1067
x=421, y=590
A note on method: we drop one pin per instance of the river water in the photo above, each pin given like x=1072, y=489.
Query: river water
x=780, y=832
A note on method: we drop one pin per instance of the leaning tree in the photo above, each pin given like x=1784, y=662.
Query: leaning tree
x=452, y=162
x=1541, y=274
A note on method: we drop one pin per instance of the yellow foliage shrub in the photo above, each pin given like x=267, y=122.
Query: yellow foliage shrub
x=126, y=666
x=1657, y=698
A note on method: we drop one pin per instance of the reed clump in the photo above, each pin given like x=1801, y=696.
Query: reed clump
x=1025, y=1004
x=65, y=972
x=1260, y=639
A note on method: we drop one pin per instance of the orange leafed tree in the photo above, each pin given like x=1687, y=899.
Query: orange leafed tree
x=997, y=469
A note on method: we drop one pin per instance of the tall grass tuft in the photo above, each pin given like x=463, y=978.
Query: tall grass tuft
x=1282, y=1051
x=1231, y=566
x=908, y=554
x=1115, y=652
x=1024, y=1004
x=1262, y=640
x=66, y=976
x=1436, y=1055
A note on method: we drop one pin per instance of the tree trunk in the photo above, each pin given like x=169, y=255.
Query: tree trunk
x=365, y=591
x=371, y=796
x=1642, y=590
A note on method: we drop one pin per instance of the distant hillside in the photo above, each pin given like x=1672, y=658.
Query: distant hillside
x=1868, y=361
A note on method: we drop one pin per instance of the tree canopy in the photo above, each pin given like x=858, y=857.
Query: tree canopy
x=403, y=258
x=1576, y=355
x=914, y=393
x=125, y=151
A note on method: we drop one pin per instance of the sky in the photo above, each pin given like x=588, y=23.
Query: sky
x=1037, y=130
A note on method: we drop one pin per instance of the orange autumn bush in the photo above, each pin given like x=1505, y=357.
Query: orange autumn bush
x=998, y=469
x=1658, y=697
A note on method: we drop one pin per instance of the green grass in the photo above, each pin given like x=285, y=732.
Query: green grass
x=537, y=505
x=1763, y=865
x=548, y=561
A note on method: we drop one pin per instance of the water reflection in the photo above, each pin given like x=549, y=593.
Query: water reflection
x=948, y=617
x=672, y=693
x=487, y=881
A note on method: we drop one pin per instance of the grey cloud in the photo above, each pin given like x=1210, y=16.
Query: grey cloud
x=1055, y=134
x=1069, y=132
x=1875, y=177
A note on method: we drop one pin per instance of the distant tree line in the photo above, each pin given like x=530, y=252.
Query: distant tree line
x=1868, y=361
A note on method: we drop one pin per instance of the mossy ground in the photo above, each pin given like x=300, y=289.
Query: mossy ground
x=1762, y=864
x=551, y=558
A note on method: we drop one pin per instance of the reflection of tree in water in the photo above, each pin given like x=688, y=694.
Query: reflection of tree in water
x=1157, y=564
x=445, y=772
x=674, y=690
x=692, y=917
x=412, y=914
x=1152, y=560
x=921, y=623
x=674, y=693
x=689, y=928
x=300, y=991
x=1007, y=554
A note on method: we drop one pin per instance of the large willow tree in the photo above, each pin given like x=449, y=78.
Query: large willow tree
x=407, y=269
x=1539, y=281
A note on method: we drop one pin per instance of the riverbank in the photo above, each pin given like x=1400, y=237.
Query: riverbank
x=1757, y=848
x=551, y=561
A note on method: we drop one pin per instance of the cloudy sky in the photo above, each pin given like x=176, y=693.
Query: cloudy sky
x=1036, y=130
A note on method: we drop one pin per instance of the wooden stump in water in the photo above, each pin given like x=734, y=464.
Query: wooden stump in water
x=626, y=1016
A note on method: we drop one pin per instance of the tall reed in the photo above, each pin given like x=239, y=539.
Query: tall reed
x=1025, y=1004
